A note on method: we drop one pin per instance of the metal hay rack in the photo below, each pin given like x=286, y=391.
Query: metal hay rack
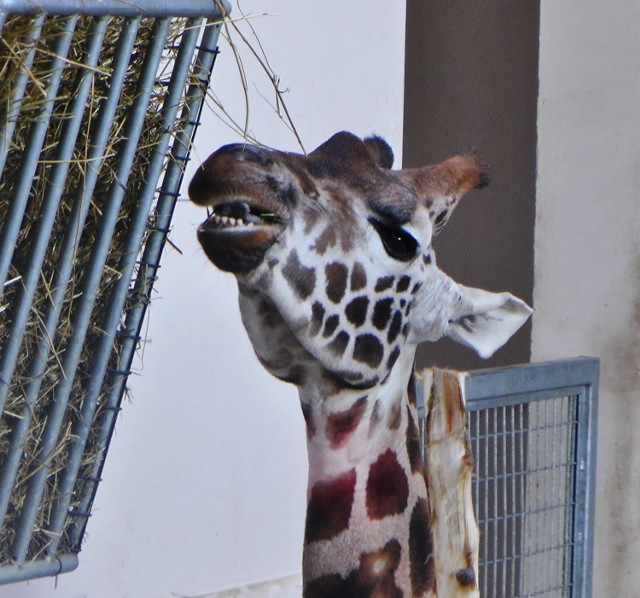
x=99, y=103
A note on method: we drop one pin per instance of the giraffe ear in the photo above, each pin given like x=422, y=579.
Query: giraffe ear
x=442, y=185
x=485, y=321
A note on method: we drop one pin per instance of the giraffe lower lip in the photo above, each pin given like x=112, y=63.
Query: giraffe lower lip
x=233, y=246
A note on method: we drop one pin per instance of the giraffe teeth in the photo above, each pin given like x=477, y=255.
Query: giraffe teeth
x=231, y=222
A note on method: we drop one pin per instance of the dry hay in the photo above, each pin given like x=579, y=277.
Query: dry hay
x=12, y=51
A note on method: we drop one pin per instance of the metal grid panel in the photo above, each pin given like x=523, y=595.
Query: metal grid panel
x=533, y=431
x=99, y=104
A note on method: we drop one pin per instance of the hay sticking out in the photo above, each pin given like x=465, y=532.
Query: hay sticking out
x=14, y=51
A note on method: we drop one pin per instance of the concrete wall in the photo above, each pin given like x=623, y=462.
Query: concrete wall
x=587, y=256
x=204, y=487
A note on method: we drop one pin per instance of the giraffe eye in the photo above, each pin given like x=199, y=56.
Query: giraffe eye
x=397, y=242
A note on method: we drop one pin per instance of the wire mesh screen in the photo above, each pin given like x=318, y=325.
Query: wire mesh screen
x=523, y=493
x=99, y=102
x=532, y=432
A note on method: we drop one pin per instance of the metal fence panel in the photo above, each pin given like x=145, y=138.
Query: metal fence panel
x=100, y=102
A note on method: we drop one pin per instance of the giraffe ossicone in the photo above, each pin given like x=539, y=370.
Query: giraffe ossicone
x=338, y=284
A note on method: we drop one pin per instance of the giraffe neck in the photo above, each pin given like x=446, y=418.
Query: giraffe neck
x=367, y=531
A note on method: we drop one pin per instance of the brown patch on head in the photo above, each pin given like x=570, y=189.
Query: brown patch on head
x=383, y=283
x=305, y=182
x=341, y=425
x=330, y=325
x=300, y=278
x=387, y=487
x=310, y=216
x=329, y=507
x=382, y=313
x=423, y=575
x=356, y=311
x=395, y=327
x=317, y=318
x=336, y=274
x=403, y=284
x=393, y=357
x=326, y=239
x=339, y=344
x=358, y=277
x=368, y=349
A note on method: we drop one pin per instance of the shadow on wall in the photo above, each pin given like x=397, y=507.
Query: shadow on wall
x=471, y=79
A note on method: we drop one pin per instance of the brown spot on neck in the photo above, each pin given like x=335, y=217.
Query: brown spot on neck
x=375, y=577
x=387, y=487
x=341, y=425
x=423, y=575
x=329, y=507
x=395, y=414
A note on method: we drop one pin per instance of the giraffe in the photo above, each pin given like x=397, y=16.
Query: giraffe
x=337, y=284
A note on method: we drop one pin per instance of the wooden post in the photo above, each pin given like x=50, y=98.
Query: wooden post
x=449, y=465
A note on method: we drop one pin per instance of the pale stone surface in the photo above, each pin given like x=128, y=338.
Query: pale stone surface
x=587, y=271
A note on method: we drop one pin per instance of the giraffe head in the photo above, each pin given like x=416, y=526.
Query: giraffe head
x=332, y=252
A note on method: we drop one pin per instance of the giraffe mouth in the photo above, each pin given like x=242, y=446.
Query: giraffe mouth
x=237, y=234
x=241, y=213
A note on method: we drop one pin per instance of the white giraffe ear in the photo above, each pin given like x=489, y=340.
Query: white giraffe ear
x=485, y=321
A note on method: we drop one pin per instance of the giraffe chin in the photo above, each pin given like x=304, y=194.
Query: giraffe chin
x=237, y=250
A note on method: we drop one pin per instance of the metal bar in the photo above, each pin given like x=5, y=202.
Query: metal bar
x=505, y=482
x=180, y=149
x=570, y=485
x=82, y=314
x=38, y=363
x=583, y=527
x=524, y=459
x=121, y=8
x=37, y=135
x=521, y=379
x=19, y=85
x=545, y=490
x=109, y=327
x=44, y=226
x=62, y=563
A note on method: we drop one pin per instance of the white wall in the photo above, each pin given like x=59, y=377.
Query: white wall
x=204, y=486
x=587, y=271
